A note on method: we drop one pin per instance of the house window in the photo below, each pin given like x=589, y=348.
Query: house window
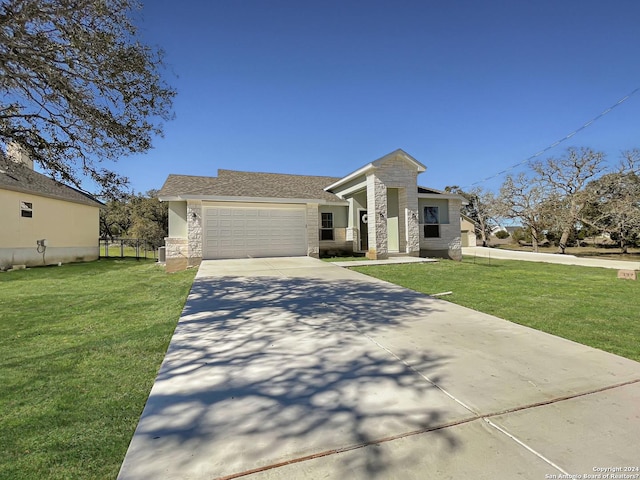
x=431, y=222
x=26, y=209
x=326, y=226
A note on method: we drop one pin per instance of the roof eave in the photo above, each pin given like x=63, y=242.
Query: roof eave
x=446, y=196
x=227, y=198
x=62, y=198
x=351, y=176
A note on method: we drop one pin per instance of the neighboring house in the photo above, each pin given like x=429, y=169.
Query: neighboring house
x=43, y=221
x=378, y=210
x=467, y=231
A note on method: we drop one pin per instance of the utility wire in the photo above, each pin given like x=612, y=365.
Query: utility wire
x=558, y=142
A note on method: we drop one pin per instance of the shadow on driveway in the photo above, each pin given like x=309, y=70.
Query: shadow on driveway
x=265, y=370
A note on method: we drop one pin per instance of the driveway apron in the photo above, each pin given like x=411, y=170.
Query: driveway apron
x=296, y=368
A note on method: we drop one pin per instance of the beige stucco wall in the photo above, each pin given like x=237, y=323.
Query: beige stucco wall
x=340, y=223
x=178, y=219
x=468, y=233
x=71, y=230
x=340, y=214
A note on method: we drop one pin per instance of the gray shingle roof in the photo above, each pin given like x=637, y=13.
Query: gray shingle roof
x=20, y=178
x=231, y=183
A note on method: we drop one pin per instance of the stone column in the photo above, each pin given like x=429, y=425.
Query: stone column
x=377, y=217
x=194, y=232
x=176, y=252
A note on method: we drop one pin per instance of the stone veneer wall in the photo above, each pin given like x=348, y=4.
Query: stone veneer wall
x=194, y=232
x=182, y=253
x=449, y=232
x=177, y=251
x=377, y=224
x=339, y=244
x=398, y=173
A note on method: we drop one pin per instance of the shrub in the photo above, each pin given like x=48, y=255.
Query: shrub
x=502, y=234
x=521, y=235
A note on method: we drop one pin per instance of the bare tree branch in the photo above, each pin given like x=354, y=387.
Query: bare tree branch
x=77, y=88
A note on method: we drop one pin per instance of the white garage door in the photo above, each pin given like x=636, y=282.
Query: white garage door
x=254, y=230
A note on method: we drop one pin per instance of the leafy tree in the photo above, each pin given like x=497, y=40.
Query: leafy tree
x=142, y=217
x=77, y=87
x=150, y=218
x=115, y=219
x=614, y=202
x=564, y=180
x=521, y=235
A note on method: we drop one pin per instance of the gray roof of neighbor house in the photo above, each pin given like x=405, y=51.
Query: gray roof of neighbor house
x=232, y=183
x=20, y=178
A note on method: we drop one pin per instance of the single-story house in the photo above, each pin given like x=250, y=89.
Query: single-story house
x=44, y=222
x=378, y=210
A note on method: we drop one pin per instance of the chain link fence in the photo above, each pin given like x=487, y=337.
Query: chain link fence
x=127, y=248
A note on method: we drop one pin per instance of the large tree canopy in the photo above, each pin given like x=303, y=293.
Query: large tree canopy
x=77, y=87
x=613, y=203
x=139, y=216
x=564, y=180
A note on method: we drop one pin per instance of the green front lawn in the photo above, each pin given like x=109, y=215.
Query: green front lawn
x=588, y=305
x=80, y=346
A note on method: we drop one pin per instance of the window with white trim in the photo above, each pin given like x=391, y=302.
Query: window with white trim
x=326, y=226
x=431, y=222
x=26, y=209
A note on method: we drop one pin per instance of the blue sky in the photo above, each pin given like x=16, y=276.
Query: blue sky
x=468, y=88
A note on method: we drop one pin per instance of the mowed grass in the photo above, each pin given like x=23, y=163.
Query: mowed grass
x=587, y=305
x=80, y=346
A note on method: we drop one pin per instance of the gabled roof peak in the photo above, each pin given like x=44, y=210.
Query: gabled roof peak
x=404, y=155
x=377, y=163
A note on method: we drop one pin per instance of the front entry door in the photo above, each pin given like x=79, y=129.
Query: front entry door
x=364, y=230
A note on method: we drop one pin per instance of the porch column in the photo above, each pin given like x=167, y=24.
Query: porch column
x=377, y=217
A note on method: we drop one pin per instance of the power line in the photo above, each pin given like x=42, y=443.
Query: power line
x=558, y=142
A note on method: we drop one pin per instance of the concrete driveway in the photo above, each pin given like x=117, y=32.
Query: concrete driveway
x=295, y=368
